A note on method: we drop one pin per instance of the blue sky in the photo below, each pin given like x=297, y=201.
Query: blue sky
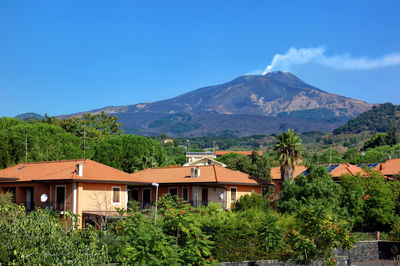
x=61, y=57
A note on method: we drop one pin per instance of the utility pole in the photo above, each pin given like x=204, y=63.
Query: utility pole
x=26, y=146
x=84, y=141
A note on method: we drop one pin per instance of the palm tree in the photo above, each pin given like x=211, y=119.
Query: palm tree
x=288, y=148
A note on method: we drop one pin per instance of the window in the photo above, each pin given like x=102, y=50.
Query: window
x=173, y=191
x=116, y=195
x=233, y=194
x=60, y=198
x=185, y=194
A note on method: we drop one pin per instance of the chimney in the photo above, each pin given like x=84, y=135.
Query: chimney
x=194, y=172
x=79, y=169
x=380, y=167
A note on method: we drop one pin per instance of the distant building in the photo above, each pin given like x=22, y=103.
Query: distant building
x=197, y=185
x=247, y=153
x=194, y=156
x=165, y=141
x=204, y=161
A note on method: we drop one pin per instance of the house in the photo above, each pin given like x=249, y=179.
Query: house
x=165, y=141
x=247, y=153
x=84, y=187
x=197, y=185
x=390, y=168
x=204, y=161
x=335, y=170
x=194, y=156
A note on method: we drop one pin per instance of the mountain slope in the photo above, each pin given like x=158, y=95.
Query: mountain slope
x=378, y=119
x=252, y=104
x=27, y=116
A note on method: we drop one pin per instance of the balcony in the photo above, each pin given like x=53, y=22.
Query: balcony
x=56, y=206
x=196, y=203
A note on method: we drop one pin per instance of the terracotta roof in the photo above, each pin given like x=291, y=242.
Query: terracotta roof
x=208, y=174
x=276, y=171
x=248, y=153
x=340, y=170
x=390, y=167
x=346, y=168
x=66, y=170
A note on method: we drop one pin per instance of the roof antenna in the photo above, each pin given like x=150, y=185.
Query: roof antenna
x=26, y=146
x=84, y=141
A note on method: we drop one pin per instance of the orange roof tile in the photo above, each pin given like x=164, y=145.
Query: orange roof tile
x=67, y=170
x=342, y=169
x=248, y=153
x=346, y=168
x=390, y=167
x=276, y=171
x=208, y=174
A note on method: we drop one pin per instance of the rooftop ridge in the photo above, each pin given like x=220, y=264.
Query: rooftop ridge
x=57, y=161
x=109, y=166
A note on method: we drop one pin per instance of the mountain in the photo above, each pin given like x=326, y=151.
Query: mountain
x=27, y=116
x=247, y=105
x=378, y=119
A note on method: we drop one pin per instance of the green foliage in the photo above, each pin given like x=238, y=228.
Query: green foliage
x=328, y=157
x=175, y=155
x=178, y=221
x=318, y=235
x=256, y=166
x=378, y=119
x=235, y=234
x=370, y=200
x=129, y=153
x=289, y=152
x=316, y=190
x=95, y=128
x=45, y=143
x=142, y=243
x=253, y=201
x=379, y=139
x=41, y=238
x=378, y=154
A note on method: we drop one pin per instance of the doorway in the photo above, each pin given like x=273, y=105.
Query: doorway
x=204, y=196
x=146, y=197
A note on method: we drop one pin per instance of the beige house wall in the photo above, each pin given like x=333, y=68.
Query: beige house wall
x=97, y=198
x=240, y=192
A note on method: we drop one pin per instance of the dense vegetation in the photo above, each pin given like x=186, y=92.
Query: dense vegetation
x=379, y=119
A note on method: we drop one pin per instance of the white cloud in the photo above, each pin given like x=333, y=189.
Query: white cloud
x=317, y=55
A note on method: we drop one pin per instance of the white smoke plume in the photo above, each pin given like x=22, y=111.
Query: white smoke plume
x=317, y=55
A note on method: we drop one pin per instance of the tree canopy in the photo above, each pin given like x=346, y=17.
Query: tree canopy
x=129, y=153
x=289, y=152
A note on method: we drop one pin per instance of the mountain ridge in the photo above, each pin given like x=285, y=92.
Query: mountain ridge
x=278, y=98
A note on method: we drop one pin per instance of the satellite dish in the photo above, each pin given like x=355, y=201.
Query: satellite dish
x=43, y=198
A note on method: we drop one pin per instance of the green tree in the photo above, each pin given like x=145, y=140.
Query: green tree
x=316, y=238
x=178, y=221
x=44, y=142
x=316, y=190
x=392, y=136
x=95, y=128
x=175, y=155
x=42, y=238
x=288, y=149
x=142, y=243
x=370, y=200
x=129, y=153
x=378, y=139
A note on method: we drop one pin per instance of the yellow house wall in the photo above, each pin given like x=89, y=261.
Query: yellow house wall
x=241, y=191
x=98, y=197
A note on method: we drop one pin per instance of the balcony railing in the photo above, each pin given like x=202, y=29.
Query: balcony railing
x=58, y=206
x=198, y=203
